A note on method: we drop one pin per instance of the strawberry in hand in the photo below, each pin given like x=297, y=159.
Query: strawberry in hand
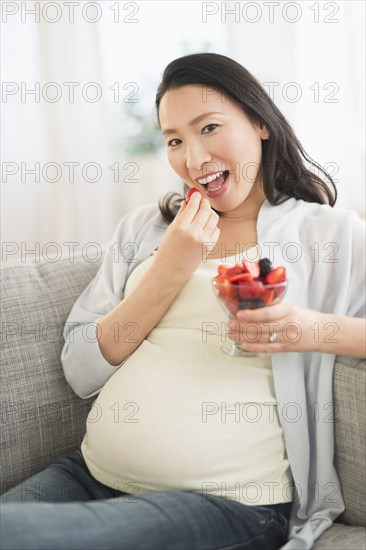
x=190, y=193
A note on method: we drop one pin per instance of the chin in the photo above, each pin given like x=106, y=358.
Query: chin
x=228, y=204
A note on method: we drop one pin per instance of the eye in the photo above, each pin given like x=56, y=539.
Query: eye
x=210, y=128
x=172, y=142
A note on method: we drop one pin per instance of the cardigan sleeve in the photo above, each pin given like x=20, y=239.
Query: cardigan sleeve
x=356, y=287
x=85, y=368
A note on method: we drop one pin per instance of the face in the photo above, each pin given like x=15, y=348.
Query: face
x=213, y=145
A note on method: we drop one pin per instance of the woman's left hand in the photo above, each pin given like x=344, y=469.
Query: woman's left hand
x=282, y=328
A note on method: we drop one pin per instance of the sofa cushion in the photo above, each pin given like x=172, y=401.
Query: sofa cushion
x=349, y=383
x=41, y=416
x=342, y=537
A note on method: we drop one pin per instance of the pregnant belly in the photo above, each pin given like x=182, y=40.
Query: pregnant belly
x=161, y=425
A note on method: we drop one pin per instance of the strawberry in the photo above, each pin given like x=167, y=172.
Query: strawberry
x=268, y=296
x=277, y=275
x=235, y=270
x=190, y=193
x=226, y=289
x=222, y=268
x=232, y=305
x=241, y=277
x=250, y=289
x=278, y=292
x=251, y=267
x=220, y=278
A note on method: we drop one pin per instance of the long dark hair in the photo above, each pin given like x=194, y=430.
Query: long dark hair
x=283, y=171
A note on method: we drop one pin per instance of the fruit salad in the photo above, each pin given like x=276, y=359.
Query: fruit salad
x=250, y=285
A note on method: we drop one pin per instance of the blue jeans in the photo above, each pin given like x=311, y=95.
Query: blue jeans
x=65, y=508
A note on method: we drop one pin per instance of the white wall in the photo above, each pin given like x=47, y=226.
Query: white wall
x=136, y=49
x=319, y=46
x=132, y=45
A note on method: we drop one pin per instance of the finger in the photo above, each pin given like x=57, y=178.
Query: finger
x=267, y=348
x=182, y=206
x=190, y=210
x=181, y=209
x=211, y=223
x=204, y=212
x=252, y=333
x=213, y=237
x=209, y=243
x=263, y=314
x=262, y=344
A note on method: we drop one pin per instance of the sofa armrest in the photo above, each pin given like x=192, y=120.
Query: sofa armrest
x=349, y=383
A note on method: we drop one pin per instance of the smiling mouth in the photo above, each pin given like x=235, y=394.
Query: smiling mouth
x=214, y=181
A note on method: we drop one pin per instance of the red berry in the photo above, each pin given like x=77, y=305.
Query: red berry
x=241, y=277
x=225, y=288
x=232, y=305
x=277, y=275
x=235, y=270
x=222, y=269
x=251, y=267
x=250, y=289
x=268, y=296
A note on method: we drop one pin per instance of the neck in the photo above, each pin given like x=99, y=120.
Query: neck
x=248, y=210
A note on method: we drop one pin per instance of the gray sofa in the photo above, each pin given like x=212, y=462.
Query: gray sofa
x=42, y=418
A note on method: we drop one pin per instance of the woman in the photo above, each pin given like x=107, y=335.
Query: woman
x=169, y=459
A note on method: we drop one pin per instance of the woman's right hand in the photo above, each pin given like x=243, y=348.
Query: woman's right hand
x=188, y=239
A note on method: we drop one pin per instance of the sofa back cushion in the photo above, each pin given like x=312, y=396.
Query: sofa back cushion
x=41, y=416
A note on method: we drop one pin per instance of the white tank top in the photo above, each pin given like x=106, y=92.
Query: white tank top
x=180, y=414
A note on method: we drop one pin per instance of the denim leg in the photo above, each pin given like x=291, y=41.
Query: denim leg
x=169, y=520
x=65, y=508
x=67, y=479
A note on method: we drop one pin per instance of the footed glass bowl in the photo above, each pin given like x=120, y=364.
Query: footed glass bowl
x=235, y=296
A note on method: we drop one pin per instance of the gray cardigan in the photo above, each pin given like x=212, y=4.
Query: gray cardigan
x=323, y=251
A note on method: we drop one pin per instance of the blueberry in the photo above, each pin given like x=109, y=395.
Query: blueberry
x=265, y=266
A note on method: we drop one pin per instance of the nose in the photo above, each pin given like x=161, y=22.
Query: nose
x=196, y=156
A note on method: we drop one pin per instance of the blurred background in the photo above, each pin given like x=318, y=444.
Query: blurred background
x=80, y=144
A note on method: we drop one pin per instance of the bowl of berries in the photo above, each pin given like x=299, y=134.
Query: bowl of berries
x=248, y=285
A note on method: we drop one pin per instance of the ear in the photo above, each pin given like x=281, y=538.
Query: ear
x=264, y=132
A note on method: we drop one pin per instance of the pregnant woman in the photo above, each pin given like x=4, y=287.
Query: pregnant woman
x=186, y=447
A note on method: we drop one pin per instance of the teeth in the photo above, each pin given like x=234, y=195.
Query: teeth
x=205, y=181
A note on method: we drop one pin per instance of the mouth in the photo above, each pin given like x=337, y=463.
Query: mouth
x=214, y=184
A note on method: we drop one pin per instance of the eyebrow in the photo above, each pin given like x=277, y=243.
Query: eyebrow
x=192, y=123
